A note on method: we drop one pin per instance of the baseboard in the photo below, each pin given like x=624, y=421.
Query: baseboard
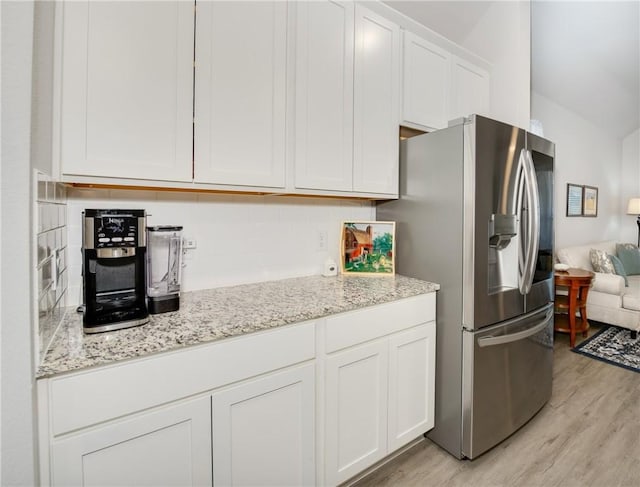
x=382, y=462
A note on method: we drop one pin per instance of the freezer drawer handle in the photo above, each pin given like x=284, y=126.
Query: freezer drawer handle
x=514, y=337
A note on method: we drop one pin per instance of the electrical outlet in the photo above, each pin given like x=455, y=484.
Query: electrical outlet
x=189, y=243
x=322, y=240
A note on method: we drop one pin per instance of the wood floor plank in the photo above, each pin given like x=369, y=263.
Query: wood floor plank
x=588, y=434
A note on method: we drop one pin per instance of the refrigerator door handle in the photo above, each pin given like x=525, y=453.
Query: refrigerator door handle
x=532, y=222
x=514, y=337
x=534, y=215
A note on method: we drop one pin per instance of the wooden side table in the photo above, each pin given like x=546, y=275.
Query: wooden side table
x=577, y=282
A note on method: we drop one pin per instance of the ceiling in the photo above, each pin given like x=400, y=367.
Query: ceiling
x=585, y=55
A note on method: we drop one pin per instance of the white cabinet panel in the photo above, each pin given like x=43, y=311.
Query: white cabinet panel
x=469, y=89
x=379, y=390
x=263, y=431
x=324, y=95
x=411, y=384
x=356, y=410
x=358, y=326
x=240, y=79
x=169, y=447
x=114, y=391
x=376, y=103
x=127, y=89
x=426, y=83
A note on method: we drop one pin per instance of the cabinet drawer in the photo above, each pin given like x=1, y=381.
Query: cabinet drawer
x=359, y=326
x=91, y=397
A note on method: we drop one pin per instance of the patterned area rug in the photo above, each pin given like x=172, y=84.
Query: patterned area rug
x=614, y=346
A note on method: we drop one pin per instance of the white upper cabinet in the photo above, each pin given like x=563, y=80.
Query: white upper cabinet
x=347, y=99
x=470, y=89
x=324, y=95
x=438, y=86
x=126, y=85
x=240, y=84
x=376, y=103
x=426, y=83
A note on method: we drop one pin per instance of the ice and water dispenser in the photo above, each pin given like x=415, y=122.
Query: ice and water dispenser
x=164, y=268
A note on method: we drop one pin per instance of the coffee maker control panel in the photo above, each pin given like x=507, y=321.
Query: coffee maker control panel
x=116, y=231
x=114, y=228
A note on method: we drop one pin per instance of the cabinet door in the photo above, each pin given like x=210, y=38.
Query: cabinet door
x=376, y=103
x=240, y=75
x=411, y=384
x=356, y=410
x=426, y=83
x=324, y=95
x=169, y=447
x=127, y=90
x=263, y=430
x=469, y=89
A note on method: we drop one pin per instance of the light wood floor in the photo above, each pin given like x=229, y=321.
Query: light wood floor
x=587, y=435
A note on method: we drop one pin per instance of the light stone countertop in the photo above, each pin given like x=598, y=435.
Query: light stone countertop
x=214, y=314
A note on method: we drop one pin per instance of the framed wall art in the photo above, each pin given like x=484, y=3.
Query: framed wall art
x=590, y=201
x=574, y=200
x=366, y=248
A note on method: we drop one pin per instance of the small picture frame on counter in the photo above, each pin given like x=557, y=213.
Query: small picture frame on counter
x=367, y=248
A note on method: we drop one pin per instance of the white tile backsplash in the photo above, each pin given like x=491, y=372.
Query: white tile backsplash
x=240, y=238
x=50, y=257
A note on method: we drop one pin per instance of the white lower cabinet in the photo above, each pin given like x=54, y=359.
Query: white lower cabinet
x=356, y=410
x=379, y=389
x=411, y=384
x=263, y=430
x=314, y=403
x=170, y=446
x=379, y=397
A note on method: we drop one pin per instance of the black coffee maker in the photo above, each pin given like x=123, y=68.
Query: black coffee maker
x=114, y=248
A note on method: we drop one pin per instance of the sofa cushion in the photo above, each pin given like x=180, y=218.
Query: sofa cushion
x=604, y=299
x=631, y=301
x=629, y=255
x=601, y=262
x=608, y=283
x=631, y=297
x=619, y=268
x=578, y=256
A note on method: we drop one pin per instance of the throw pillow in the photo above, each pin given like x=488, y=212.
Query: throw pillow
x=629, y=255
x=601, y=262
x=619, y=268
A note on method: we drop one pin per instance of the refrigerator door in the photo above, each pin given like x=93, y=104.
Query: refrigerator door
x=507, y=370
x=494, y=165
x=542, y=153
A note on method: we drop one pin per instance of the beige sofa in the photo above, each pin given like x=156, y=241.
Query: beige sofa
x=609, y=300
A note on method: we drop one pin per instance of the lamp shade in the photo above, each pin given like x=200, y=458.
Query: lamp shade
x=633, y=208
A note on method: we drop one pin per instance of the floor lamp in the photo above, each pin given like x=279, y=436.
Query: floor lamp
x=633, y=208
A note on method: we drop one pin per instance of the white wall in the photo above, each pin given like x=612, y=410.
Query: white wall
x=502, y=36
x=497, y=32
x=629, y=185
x=240, y=239
x=584, y=156
x=16, y=369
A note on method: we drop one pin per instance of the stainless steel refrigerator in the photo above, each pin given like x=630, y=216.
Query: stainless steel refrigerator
x=475, y=214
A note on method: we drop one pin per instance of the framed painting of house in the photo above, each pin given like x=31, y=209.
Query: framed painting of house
x=366, y=248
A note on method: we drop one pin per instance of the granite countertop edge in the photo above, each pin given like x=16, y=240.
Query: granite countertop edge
x=214, y=314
